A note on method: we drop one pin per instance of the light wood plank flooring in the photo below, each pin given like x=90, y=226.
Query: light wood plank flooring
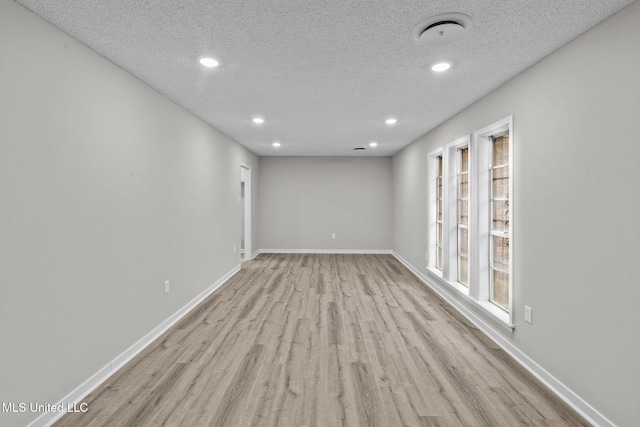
x=323, y=340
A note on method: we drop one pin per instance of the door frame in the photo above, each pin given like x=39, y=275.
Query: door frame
x=245, y=176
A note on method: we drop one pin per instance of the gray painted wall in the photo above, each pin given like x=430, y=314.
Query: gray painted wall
x=576, y=204
x=107, y=190
x=303, y=200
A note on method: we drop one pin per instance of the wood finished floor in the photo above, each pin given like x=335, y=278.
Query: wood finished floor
x=323, y=340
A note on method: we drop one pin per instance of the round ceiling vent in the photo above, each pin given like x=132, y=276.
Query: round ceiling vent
x=359, y=148
x=442, y=29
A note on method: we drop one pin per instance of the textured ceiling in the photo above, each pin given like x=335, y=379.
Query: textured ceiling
x=323, y=74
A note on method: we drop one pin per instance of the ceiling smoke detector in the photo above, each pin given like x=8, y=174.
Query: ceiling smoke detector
x=442, y=29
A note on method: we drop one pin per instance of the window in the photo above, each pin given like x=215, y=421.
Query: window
x=471, y=190
x=462, y=188
x=450, y=214
x=456, y=213
x=499, y=205
x=492, y=239
x=439, y=213
x=437, y=209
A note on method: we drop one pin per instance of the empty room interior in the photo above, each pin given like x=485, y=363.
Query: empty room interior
x=307, y=213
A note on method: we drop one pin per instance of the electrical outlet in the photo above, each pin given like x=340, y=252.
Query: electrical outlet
x=527, y=314
x=166, y=287
x=333, y=235
x=234, y=249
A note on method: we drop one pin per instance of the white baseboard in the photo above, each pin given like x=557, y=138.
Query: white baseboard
x=76, y=396
x=563, y=392
x=326, y=251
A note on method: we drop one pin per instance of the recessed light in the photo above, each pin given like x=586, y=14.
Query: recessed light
x=257, y=120
x=373, y=144
x=276, y=144
x=441, y=66
x=209, y=62
x=391, y=121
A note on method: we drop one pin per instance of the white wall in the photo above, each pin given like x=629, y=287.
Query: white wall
x=303, y=200
x=107, y=189
x=576, y=203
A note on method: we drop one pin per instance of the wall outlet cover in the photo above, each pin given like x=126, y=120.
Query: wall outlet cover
x=527, y=314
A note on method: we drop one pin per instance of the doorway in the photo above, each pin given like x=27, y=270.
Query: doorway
x=245, y=212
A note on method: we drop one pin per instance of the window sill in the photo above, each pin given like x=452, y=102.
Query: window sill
x=498, y=314
x=459, y=287
x=491, y=310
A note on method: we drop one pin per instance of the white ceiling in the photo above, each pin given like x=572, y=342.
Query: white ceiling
x=323, y=74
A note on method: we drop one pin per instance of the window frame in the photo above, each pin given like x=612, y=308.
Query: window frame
x=482, y=221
